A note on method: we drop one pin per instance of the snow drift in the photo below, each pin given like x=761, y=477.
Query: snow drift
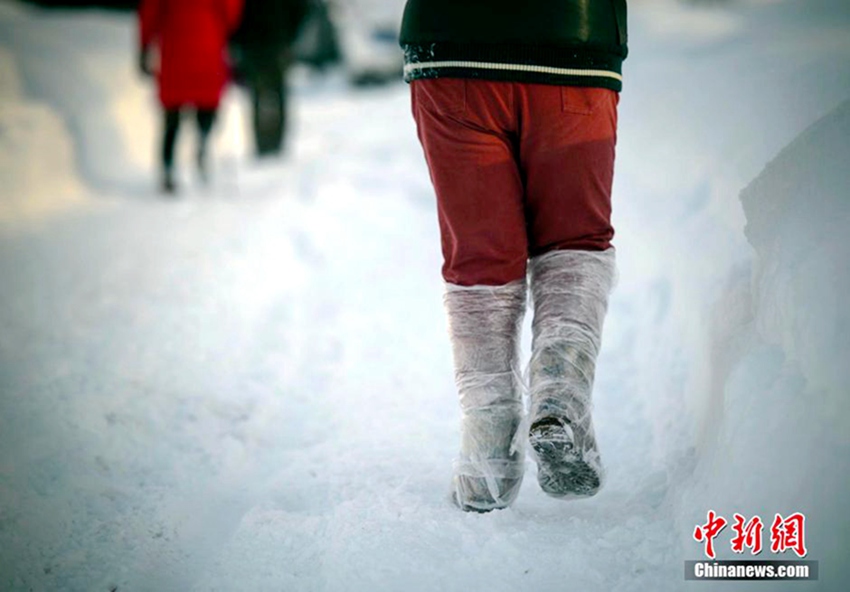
x=778, y=434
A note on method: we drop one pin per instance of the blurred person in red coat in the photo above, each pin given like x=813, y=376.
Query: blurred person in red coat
x=192, y=71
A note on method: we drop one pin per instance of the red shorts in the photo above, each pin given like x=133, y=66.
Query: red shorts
x=519, y=170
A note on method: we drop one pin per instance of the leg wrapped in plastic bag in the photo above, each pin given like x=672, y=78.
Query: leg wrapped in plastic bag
x=484, y=325
x=570, y=297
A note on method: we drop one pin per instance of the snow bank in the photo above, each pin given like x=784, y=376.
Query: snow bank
x=33, y=139
x=798, y=212
x=109, y=113
x=778, y=438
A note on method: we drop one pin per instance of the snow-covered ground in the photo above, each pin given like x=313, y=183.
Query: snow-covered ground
x=250, y=388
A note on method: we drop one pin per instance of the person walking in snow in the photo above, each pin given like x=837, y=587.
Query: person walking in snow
x=192, y=72
x=516, y=110
x=263, y=43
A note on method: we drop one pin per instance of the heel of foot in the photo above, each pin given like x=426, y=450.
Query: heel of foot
x=563, y=471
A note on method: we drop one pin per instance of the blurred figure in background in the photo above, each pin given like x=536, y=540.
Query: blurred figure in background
x=317, y=44
x=263, y=46
x=192, y=71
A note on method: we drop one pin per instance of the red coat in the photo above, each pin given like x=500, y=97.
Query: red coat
x=192, y=39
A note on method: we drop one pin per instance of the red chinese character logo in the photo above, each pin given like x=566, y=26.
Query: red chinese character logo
x=789, y=533
x=747, y=535
x=708, y=531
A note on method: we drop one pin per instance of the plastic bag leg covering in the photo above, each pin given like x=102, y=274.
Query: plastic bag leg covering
x=484, y=326
x=570, y=296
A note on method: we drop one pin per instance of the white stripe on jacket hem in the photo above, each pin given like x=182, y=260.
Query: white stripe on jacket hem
x=513, y=67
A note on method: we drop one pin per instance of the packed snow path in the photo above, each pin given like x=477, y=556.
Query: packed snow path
x=250, y=387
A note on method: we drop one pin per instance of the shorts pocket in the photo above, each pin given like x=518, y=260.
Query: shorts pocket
x=581, y=100
x=446, y=96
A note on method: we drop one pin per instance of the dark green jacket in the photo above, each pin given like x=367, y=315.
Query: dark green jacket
x=269, y=25
x=569, y=42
